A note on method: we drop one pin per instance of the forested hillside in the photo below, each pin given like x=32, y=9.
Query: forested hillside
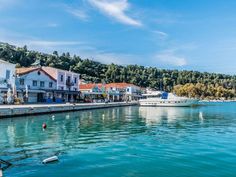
x=212, y=85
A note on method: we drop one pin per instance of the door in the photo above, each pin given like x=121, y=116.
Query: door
x=40, y=97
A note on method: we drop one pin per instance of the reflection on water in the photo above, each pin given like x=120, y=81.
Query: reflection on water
x=111, y=137
x=157, y=115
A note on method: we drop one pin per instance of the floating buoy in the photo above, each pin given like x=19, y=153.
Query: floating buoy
x=44, y=125
x=50, y=160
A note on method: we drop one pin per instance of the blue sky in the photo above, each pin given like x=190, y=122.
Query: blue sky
x=171, y=34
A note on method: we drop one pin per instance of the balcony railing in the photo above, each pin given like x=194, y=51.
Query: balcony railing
x=69, y=83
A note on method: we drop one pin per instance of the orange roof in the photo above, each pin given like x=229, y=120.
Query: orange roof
x=51, y=72
x=22, y=71
x=46, y=70
x=119, y=85
x=89, y=86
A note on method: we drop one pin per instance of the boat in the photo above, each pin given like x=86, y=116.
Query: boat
x=160, y=98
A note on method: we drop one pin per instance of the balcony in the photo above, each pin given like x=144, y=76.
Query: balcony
x=69, y=83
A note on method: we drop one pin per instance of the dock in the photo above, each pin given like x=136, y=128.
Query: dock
x=32, y=109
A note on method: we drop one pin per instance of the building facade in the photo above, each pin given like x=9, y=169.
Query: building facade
x=67, y=83
x=47, y=84
x=93, y=92
x=112, y=91
x=34, y=85
x=123, y=91
x=7, y=79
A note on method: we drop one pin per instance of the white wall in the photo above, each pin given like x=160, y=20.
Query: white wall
x=30, y=77
x=65, y=76
x=4, y=66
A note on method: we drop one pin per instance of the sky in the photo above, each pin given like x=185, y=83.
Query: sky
x=170, y=34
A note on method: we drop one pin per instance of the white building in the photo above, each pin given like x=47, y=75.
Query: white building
x=123, y=91
x=7, y=78
x=35, y=85
x=47, y=84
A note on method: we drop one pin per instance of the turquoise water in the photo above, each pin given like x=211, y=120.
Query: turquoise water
x=127, y=142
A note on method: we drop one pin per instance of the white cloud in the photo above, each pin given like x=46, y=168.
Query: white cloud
x=161, y=35
x=170, y=58
x=115, y=9
x=80, y=48
x=78, y=13
x=34, y=43
x=117, y=58
x=45, y=43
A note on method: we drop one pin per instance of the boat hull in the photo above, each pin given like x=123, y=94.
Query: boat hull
x=169, y=103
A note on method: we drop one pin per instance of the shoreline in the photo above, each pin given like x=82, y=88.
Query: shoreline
x=7, y=111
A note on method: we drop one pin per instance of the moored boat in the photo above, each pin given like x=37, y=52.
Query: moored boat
x=159, y=98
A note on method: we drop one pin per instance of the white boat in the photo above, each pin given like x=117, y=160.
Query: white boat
x=159, y=98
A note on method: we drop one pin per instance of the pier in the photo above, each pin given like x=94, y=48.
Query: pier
x=32, y=109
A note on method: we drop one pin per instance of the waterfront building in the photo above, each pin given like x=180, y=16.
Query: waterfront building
x=113, y=92
x=47, y=84
x=7, y=80
x=93, y=92
x=123, y=91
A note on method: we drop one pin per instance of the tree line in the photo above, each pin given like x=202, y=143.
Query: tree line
x=199, y=84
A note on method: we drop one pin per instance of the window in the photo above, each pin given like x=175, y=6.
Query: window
x=50, y=84
x=62, y=78
x=8, y=72
x=75, y=80
x=22, y=82
x=62, y=88
x=41, y=84
x=35, y=83
x=75, y=89
x=68, y=78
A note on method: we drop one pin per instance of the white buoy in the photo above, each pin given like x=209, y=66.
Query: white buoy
x=50, y=159
x=1, y=175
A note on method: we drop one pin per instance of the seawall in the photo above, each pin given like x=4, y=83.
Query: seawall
x=32, y=109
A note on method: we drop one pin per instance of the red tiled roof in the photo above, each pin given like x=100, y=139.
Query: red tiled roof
x=89, y=86
x=107, y=86
x=119, y=85
x=51, y=71
x=23, y=71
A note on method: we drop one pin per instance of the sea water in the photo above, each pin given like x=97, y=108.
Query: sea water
x=124, y=142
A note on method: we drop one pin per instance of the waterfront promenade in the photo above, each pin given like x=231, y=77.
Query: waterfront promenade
x=31, y=109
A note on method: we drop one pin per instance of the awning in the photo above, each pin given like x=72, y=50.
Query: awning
x=65, y=91
x=93, y=93
x=36, y=91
